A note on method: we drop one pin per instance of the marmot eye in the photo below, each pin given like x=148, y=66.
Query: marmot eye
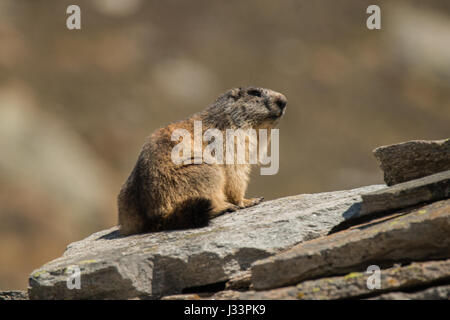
x=254, y=92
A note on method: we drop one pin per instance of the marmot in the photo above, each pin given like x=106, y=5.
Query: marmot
x=161, y=195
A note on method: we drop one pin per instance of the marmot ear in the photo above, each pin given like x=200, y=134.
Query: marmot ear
x=235, y=93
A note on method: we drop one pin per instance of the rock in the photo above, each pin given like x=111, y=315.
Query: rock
x=159, y=264
x=354, y=285
x=225, y=295
x=422, y=233
x=433, y=293
x=190, y=296
x=13, y=295
x=221, y=295
x=413, y=159
x=287, y=293
x=241, y=281
x=430, y=188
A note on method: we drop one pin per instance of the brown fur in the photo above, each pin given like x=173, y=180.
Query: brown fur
x=161, y=195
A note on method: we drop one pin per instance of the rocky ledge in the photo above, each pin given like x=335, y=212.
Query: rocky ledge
x=157, y=264
x=330, y=245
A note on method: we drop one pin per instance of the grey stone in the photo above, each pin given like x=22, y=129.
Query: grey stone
x=433, y=293
x=422, y=233
x=188, y=296
x=354, y=284
x=412, y=277
x=413, y=159
x=240, y=281
x=13, y=295
x=159, y=264
x=430, y=188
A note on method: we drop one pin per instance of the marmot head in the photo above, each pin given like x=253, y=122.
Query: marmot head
x=250, y=107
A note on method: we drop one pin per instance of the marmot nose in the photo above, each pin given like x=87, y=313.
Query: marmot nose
x=281, y=101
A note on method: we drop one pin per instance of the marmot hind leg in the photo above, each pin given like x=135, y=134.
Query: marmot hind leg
x=220, y=206
x=191, y=213
x=131, y=222
x=208, y=183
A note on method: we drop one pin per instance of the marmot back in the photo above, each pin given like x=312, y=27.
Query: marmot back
x=161, y=195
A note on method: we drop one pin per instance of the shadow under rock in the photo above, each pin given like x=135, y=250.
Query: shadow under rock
x=111, y=236
x=354, y=209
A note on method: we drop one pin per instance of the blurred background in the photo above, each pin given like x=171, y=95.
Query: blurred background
x=76, y=106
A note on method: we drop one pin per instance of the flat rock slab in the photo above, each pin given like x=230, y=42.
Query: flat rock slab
x=413, y=159
x=420, y=234
x=433, y=293
x=241, y=281
x=427, y=189
x=352, y=285
x=158, y=264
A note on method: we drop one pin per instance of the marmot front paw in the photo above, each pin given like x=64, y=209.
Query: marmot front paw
x=251, y=202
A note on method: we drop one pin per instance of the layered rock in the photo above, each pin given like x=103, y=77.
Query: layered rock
x=433, y=293
x=13, y=295
x=311, y=246
x=354, y=285
x=157, y=264
x=418, y=234
x=413, y=159
x=427, y=189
